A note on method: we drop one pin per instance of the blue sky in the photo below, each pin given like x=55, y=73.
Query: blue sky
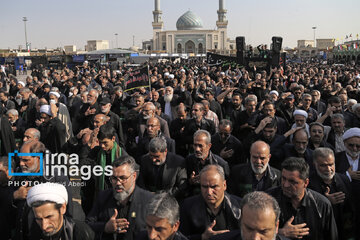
x=57, y=23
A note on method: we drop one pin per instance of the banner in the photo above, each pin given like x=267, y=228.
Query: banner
x=137, y=79
x=220, y=60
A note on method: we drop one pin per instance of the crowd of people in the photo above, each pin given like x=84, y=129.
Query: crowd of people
x=205, y=152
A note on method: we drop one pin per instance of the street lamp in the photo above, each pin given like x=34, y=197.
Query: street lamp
x=26, y=42
x=116, y=36
x=314, y=28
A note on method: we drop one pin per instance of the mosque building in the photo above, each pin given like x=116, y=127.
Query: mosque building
x=190, y=37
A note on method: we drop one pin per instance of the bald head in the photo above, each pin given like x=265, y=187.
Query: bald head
x=31, y=134
x=99, y=120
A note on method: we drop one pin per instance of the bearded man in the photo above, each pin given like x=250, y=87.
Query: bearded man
x=257, y=175
x=119, y=212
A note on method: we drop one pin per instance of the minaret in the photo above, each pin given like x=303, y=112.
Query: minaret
x=221, y=22
x=157, y=23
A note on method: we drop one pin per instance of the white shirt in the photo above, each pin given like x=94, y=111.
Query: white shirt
x=167, y=110
x=354, y=164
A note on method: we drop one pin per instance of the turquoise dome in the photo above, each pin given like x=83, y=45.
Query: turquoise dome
x=189, y=21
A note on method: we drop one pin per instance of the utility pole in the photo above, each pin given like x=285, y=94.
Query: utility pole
x=314, y=28
x=116, y=37
x=26, y=42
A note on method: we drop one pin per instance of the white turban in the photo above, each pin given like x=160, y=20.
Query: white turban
x=46, y=109
x=352, y=132
x=171, y=76
x=182, y=70
x=166, y=74
x=22, y=83
x=274, y=92
x=300, y=112
x=56, y=94
x=53, y=192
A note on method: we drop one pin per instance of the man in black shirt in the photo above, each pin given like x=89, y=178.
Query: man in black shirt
x=336, y=187
x=202, y=156
x=226, y=145
x=256, y=175
x=161, y=170
x=162, y=219
x=119, y=212
x=214, y=211
x=305, y=213
x=197, y=122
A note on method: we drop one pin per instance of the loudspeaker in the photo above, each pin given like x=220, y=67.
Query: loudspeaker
x=240, y=49
x=276, y=44
x=240, y=43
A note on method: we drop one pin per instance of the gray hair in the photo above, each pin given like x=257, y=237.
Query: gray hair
x=13, y=112
x=355, y=106
x=35, y=132
x=338, y=116
x=261, y=201
x=151, y=105
x=95, y=91
x=125, y=160
x=84, y=93
x=250, y=98
x=352, y=101
x=305, y=95
x=24, y=89
x=164, y=206
x=322, y=152
x=205, y=133
x=219, y=169
x=157, y=145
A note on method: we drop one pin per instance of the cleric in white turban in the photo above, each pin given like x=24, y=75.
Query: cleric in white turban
x=56, y=94
x=350, y=133
x=300, y=112
x=53, y=192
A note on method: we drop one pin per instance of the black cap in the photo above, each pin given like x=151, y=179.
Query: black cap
x=105, y=100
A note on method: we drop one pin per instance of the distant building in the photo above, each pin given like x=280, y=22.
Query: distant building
x=70, y=49
x=93, y=45
x=306, y=48
x=305, y=43
x=190, y=37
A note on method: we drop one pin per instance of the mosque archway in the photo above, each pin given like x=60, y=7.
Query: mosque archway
x=179, y=48
x=189, y=47
x=200, y=48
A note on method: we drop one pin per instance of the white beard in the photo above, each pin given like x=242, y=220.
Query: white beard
x=168, y=98
x=257, y=170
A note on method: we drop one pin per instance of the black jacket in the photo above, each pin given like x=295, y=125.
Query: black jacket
x=344, y=212
x=194, y=220
x=53, y=135
x=242, y=178
x=191, y=127
x=72, y=230
x=193, y=164
x=104, y=207
x=232, y=143
x=318, y=214
x=174, y=178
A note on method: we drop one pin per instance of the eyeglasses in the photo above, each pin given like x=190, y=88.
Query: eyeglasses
x=121, y=179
